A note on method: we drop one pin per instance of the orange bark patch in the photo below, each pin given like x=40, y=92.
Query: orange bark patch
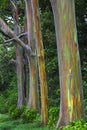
x=79, y=107
x=74, y=52
x=68, y=36
x=74, y=47
x=74, y=101
x=68, y=66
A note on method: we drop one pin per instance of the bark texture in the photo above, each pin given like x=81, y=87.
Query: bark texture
x=20, y=76
x=71, y=93
x=41, y=62
x=19, y=61
x=33, y=101
x=26, y=67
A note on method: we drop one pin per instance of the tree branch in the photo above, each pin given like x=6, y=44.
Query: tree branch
x=12, y=39
x=13, y=4
x=7, y=31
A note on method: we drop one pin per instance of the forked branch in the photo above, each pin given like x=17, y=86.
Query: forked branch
x=7, y=31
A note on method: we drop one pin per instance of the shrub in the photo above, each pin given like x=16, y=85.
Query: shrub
x=29, y=115
x=11, y=109
x=8, y=98
x=3, y=106
x=53, y=116
x=16, y=113
x=76, y=125
x=11, y=95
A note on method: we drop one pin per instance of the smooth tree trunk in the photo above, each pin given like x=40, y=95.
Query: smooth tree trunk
x=71, y=93
x=26, y=81
x=19, y=62
x=26, y=67
x=20, y=76
x=33, y=102
x=41, y=62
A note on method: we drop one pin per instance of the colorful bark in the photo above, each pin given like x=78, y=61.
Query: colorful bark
x=20, y=83
x=19, y=62
x=32, y=60
x=71, y=93
x=41, y=62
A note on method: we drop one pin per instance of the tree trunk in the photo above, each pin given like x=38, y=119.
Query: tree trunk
x=41, y=62
x=26, y=86
x=33, y=101
x=71, y=93
x=20, y=83
x=26, y=67
x=19, y=62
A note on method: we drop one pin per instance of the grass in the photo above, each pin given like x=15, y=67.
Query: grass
x=6, y=123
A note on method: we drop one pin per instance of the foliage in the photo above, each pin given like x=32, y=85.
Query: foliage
x=53, y=116
x=7, y=99
x=83, y=53
x=81, y=15
x=4, y=117
x=29, y=115
x=3, y=107
x=16, y=113
x=8, y=85
x=76, y=125
x=11, y=98
x=11, y=109
x=6, y=68
x=6, y=123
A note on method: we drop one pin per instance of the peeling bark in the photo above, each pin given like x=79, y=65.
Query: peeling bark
x=71, y=93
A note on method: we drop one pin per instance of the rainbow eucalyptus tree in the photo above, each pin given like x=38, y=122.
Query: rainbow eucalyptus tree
x=41, y=62
x=71, y=93
x=19, y=60
x=30, y=49
x=33, y=101
x=26, y=66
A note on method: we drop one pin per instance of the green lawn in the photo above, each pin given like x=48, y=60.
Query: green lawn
x=8, y=124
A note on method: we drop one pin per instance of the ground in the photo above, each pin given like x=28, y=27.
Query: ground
x=6, y=123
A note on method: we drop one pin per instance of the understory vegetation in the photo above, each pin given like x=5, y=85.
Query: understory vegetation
x=32, y=122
